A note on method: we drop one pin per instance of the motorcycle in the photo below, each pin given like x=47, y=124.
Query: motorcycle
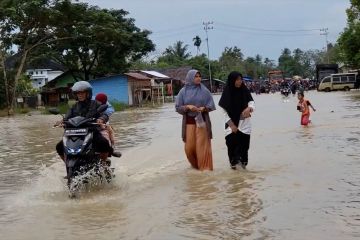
x=81, y=161
x=285, y=92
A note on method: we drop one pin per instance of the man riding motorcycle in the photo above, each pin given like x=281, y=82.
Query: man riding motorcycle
x=86, y=107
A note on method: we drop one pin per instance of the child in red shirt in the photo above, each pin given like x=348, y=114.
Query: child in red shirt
x=304, y=107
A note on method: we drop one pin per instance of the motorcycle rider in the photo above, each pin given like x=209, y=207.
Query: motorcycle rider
x=86, y=107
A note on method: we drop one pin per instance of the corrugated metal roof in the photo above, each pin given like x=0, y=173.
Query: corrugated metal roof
x=138, y=76
x=155, y=74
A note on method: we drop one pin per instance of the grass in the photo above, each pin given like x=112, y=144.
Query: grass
x=63, y=108
x=22, y=110
x=4, y=112
x=119, y=106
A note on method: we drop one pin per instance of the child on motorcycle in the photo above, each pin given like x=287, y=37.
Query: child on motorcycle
x=107, y=131
x=86, y=107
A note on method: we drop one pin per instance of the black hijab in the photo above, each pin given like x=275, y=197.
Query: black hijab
x=235, y=100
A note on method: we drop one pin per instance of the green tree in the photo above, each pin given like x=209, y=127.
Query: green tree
x=230, y=60
x=349, y=40
x=200, y=63
x=286, y=62
x=24, y=25
x=100, y=41
x=176, y=55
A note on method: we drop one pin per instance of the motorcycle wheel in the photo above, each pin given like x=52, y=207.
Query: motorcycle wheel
x=73, y=186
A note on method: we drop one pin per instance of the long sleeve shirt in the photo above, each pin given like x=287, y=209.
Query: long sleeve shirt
x=244, y=124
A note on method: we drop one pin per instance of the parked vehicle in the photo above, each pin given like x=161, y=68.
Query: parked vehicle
x=324, y=70
x=341, y=81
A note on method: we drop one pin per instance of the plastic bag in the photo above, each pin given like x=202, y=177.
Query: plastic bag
x=200, y=123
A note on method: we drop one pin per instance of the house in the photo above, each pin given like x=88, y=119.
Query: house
x=133, y=88
x=116, y=87
x=59, y=89
x=140, y=87
x=217, y=84
x=178, y=76
x=40, y=71
x=161, y=85
x=43, y=71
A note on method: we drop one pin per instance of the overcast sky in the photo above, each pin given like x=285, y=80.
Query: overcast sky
x=247, y=24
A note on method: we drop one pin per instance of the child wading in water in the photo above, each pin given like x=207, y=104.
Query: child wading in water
x=303, y=107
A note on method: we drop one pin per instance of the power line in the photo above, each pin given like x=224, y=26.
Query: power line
x=267, y=34
x=172, y=34
x=208, y=26
x=268, y=30
x=187, y=27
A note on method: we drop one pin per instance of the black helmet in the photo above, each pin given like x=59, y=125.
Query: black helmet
x=82, y=86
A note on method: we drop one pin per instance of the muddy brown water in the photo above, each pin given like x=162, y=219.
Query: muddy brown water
x=301, y=183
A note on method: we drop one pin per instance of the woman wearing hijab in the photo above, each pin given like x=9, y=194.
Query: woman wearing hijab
x=194, y=102
x=238, y=105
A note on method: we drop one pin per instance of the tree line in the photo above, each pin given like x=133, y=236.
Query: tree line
x=83, y=38
x=296, y=62
x=95, y=42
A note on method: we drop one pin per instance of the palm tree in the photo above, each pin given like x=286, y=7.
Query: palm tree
x=197, y=43
x=178, y=51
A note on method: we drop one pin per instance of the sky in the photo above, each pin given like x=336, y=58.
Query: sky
x=262, y=27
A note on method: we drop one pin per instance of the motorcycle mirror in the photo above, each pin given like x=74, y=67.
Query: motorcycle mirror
x=54, y=111
x=102, y=108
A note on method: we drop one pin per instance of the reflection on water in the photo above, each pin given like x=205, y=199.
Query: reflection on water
x=232, y=213
x=302, y=183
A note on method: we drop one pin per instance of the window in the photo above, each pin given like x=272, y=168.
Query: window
x=41, y=72
x=36, y=72
x=352, y=78
x=344, y=79
x=336, y=79
x=31, y=73
x=326, y=80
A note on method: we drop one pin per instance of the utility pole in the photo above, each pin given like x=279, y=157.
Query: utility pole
x=207, y=27
x=324, y=32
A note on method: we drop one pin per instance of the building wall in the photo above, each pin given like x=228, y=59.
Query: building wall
x=53, y=74
x=40, y=77
x=115, y=87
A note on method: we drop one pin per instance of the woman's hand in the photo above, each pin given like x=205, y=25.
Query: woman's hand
x=234, y=128
x=192, y=108
x=247, y=112
x=202, y=109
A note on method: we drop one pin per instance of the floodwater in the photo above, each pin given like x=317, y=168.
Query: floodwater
x=301, y=183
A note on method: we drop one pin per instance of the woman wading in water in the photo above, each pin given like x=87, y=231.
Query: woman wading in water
x=238, y=105
x=194, y=102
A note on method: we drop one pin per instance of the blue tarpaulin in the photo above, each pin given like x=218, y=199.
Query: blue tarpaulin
x=247, y=78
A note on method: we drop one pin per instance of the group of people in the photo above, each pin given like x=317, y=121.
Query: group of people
x=194, y=102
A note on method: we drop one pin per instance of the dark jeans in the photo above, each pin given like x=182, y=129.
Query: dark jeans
x=238, y=146
x=100, y=144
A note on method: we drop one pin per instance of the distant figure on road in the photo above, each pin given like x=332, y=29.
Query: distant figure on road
x=303, y=107
x=194, y=102
x=238, y=105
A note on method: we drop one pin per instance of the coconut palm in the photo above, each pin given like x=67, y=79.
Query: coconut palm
x=176, y=53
